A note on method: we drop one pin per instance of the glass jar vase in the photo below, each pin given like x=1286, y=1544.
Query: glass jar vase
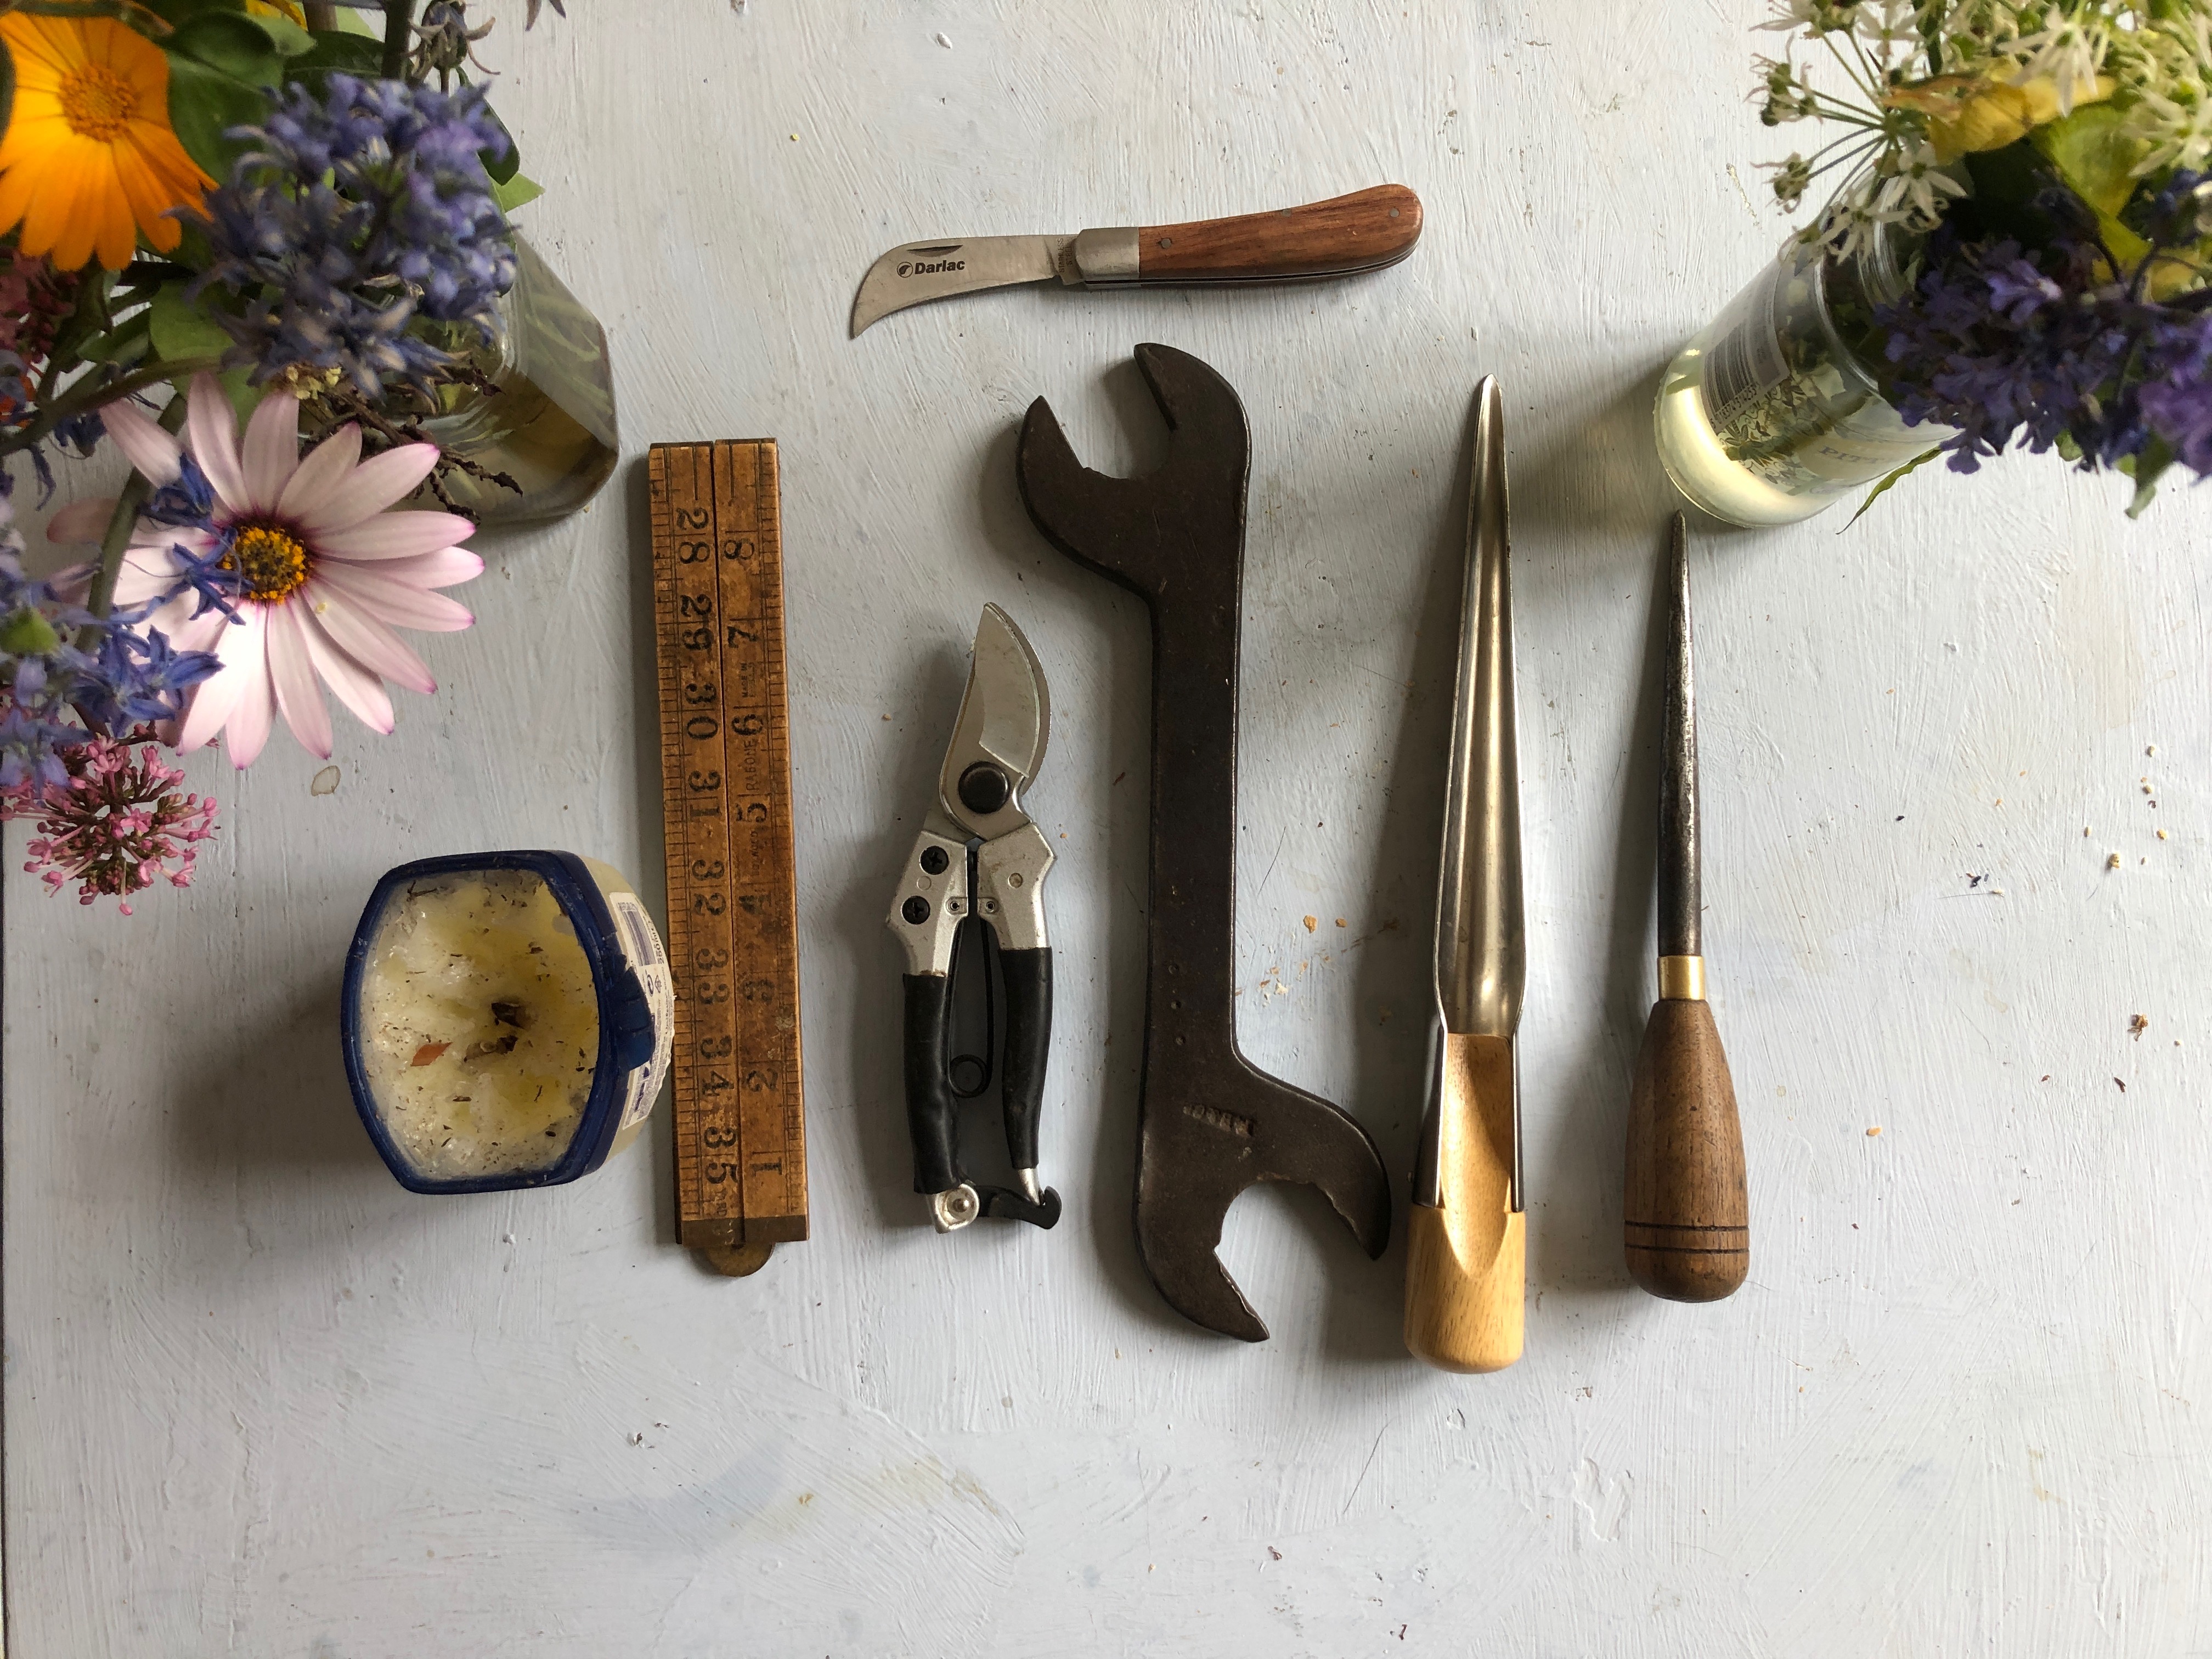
x=1771, y=412
x=551, y=425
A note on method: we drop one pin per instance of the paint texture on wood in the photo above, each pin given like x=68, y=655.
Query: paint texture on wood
x=260, y=1402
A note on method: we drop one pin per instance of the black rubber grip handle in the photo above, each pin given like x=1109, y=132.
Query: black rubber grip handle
x=932, y=1115
x=1028, y=978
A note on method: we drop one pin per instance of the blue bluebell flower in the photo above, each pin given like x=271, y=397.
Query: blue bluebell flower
x=137, y=680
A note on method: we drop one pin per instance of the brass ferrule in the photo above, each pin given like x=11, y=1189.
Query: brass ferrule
x=1682, y=979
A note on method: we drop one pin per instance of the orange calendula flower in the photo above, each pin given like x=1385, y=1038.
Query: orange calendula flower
x=89, y=158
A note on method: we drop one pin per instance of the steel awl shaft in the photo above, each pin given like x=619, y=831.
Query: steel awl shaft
x=1685, y=1211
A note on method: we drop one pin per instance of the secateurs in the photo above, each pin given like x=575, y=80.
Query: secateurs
x=978, y=867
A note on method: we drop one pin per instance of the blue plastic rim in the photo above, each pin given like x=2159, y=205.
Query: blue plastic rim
x=625, y=1017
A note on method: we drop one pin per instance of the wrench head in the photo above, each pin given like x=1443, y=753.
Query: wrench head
x=1212, y=1129
x=1149, y=534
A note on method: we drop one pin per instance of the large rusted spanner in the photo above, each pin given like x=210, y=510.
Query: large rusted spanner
x=1210, y=1123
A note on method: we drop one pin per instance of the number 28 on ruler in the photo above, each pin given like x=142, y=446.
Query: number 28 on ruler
x=726, y=770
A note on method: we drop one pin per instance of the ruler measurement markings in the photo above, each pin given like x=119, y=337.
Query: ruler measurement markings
x=740, y=1118
x=707, y=1159
x=756, y=742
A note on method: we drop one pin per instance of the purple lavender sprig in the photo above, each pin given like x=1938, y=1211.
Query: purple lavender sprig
x=2050, y=347
x=353, y=214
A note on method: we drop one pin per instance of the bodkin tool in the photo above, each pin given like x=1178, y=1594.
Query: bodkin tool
x=1467, y=1242
x=1687, y=1217
x=1341, y=237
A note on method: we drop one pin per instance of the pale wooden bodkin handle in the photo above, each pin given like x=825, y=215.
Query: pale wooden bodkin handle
x=1467, y=1263
x=1363, y=231
x=1687, y=1212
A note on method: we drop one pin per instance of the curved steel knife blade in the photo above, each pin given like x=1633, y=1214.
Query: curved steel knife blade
x=916, y=271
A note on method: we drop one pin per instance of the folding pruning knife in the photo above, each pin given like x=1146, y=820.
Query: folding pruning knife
x=1341, y=237
x=979, y=860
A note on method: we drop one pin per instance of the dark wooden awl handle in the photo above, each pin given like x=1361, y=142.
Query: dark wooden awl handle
x=1687, y=1214
x=1363, y=231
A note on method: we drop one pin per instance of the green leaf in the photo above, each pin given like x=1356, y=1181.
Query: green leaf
x=287, y=37
x=230, y=43
x=342, y=49
x=2093, y=154
x=2156, y=457
x=503, y=170
x=514, y=190
x=123, y=346
x=1883, y=488
x=204, y=103
x=182, y=329
x=28, y=634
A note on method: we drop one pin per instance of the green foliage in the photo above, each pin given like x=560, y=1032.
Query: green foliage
x=503, y=169
x=342, y=49
x=1883, y=488
x=180, y=329
x=204, y=103
x=2146, y=469
x=514, y=190
x=28, y=634
x=7, y=85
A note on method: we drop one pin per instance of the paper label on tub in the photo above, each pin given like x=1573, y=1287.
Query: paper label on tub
x=640, y=943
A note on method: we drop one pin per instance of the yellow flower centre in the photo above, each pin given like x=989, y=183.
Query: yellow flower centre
x=97, y=102
x=271, y=563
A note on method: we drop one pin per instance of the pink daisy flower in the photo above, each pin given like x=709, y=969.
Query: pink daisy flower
x=324, y=573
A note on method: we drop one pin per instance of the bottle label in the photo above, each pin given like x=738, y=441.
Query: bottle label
x=648, y=959
x=1746, y=358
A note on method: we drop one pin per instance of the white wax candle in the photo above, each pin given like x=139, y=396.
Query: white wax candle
x=480, y=1029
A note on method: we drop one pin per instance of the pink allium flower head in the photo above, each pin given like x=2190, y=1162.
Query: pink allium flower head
x=324, y=572
x=117, y=826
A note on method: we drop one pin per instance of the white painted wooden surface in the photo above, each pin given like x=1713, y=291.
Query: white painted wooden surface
x=261, y=1401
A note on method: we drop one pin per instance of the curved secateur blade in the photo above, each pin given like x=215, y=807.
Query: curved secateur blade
x=1211, y=1122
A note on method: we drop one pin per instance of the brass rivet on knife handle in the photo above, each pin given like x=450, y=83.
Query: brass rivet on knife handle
x=1684, y=1203
x=1466, y=1265
x=1363, y=231
x=740, y=1123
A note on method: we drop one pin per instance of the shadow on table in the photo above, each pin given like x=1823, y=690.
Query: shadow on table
x=873, y=960
x=279, y=1102
x=1111, y=1076
x=1602, y=491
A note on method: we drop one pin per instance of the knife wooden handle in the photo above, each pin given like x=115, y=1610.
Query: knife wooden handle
x=1466, y=1265
x=1363, y=231
x=1688, y=1215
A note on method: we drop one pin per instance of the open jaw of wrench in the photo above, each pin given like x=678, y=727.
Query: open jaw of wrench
x=1210, y=1123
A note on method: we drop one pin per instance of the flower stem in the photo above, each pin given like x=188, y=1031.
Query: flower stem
x=51, y=415
x=398, y=15
x=102, y=597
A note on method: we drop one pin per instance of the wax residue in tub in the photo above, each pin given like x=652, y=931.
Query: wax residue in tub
x=480, y=1024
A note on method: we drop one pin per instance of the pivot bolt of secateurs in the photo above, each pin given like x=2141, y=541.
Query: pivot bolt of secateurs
x=984, y=789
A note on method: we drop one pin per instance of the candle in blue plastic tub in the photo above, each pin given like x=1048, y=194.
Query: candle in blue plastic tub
x=507, y=1019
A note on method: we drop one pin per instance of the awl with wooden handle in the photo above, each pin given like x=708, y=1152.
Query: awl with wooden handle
x=1466, y=1264
x=1686, y=1213
x=1340, y=237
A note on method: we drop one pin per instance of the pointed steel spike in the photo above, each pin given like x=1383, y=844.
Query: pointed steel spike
x=1680, y=901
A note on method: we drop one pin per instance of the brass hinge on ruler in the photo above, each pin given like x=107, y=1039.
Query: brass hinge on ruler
x=725, y=788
